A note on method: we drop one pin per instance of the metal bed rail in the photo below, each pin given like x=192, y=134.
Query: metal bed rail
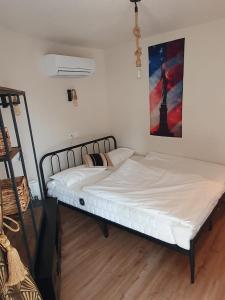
x=73, y=156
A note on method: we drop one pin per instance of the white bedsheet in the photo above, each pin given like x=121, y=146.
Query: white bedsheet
x=166, y=204
x=211, y=171
x=185, y=197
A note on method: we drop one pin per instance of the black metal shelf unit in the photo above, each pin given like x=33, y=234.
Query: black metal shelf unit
x=9, y=98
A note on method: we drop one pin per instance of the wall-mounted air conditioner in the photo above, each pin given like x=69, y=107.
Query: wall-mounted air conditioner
x=60, y=65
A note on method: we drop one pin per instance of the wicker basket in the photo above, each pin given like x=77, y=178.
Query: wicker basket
x=9, y=206
x=2, y=146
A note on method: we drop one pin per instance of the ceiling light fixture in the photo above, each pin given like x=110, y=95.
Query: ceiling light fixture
x=137, y=34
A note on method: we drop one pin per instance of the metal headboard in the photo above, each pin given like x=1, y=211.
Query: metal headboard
x=73, y=156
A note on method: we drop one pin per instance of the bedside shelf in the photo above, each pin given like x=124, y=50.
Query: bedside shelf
x=12, y=153
x=27, y=240
x=10, y=92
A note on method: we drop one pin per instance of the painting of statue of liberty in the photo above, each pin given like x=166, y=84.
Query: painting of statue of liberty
x=166, y=69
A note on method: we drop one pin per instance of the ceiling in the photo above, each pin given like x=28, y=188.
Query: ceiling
x=103, y=23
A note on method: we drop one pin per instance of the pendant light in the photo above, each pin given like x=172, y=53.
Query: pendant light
x=137, y=34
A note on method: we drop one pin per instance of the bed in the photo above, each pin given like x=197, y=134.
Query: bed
x=163, y=198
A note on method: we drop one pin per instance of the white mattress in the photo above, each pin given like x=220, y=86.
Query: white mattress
x=162, y=203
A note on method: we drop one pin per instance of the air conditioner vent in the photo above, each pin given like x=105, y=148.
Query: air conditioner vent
x=59, y=65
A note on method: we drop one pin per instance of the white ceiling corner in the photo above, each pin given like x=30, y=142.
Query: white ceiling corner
x=103, y=23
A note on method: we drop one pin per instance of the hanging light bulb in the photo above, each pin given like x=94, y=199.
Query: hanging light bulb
x=138, y=72
x=137, y=34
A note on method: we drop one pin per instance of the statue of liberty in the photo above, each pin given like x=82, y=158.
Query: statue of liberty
x=163, y=122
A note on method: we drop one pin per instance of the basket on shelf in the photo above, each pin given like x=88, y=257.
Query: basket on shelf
x=2, y=146
x=9, y=206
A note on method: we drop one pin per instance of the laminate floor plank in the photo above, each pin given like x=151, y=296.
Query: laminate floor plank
x=128, y=267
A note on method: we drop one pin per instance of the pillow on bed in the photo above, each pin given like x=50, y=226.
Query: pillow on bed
x=118, y=156
x=95, y=160
x=76, y=175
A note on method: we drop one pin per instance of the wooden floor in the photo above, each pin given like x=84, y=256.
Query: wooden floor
x=128, y=267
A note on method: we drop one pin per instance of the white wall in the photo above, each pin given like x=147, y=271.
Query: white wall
x=203, y=100
x=53, y=117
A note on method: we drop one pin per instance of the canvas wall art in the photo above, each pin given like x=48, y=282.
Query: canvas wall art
x=166, y=69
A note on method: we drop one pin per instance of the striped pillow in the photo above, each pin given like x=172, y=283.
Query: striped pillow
x=95, y=160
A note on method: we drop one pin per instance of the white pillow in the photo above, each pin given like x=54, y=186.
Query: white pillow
x=118, y=156
x=76, y=175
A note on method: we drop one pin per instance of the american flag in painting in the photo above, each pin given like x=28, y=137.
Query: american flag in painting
x=166, y=67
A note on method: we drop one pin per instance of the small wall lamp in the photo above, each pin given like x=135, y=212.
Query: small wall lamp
x=72, y=96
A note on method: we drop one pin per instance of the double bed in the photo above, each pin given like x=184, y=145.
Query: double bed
x=163, y=198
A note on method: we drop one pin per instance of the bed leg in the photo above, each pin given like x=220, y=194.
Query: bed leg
x=104, y=228
x=210, y=224
x=192, y=260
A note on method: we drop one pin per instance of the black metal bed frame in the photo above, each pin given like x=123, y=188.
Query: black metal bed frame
x=104, y=222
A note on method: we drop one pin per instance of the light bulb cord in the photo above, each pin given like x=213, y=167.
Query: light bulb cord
x=137, y=34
